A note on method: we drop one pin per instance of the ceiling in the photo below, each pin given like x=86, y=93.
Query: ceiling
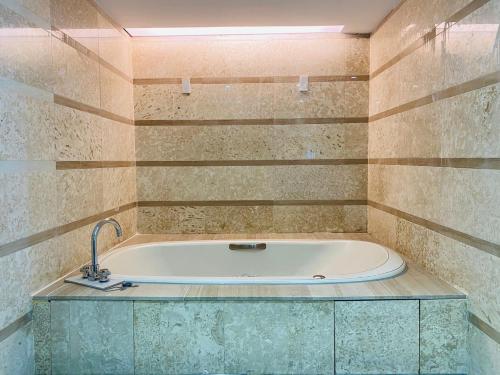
x=357, y=16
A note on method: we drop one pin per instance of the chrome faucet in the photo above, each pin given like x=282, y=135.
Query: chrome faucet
x=92, y=271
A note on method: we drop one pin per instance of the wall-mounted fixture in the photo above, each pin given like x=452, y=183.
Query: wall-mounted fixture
x=303, y=83
x=186, y=86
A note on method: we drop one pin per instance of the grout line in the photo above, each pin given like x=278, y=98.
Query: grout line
x=64, y=165
x=226, y=163
x=472, y=163
x=261, y=121
x=478, y=243
x=241, y=203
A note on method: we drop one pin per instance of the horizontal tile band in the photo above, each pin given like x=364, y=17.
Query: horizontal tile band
x=256, y=79
x=46, y=235
x=462, y=88
x=216, y=203
x=472, y=163
x=264, y=121
x=484, y=327
x=61, y=100
x=486, y=246
x=15, y=325
x=68, y=40
x=216, y=163
x=62, y=165
x=430, y=35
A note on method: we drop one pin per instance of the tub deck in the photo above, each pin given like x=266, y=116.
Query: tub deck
x=415, y=283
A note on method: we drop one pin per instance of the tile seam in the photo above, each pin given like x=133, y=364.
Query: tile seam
x=467, y=239
x=256, y=202
x=255, y=122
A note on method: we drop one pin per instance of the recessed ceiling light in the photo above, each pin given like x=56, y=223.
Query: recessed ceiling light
x=244, y=30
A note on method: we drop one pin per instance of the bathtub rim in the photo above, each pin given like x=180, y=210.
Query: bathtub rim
x=394, y=266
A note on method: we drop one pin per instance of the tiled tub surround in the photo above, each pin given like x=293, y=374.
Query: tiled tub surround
x=433, y=150
x=55, y=108
x=401, y=325
x=245, y=152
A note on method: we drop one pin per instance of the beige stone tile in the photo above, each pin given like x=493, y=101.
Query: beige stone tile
x=28, y=201
x=114, y=47
x=470, y=202
x=25, y=272
x=118, y=141
x=118, y=187
x=484, y=353
x=471, y=124
x=356, y=99
x=471, y=45
x=466, y=268
x=78, y=19
x=385, y=90
x=357, y=56
x=220, y=101
x=415, y=190
x=26, y=126
x=255, y=182
x=78, y=135
x=242, y=142
x=297, y=219
x=22, y=43
x=409, y=23
x=411, y=134
x=163, y=57
x=116, y=93
x=77, y=76
x=324, y=99
x=80, y=194
x=107, y=236
x=17, y=352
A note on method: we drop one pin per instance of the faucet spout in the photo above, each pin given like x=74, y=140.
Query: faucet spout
x=93, y=272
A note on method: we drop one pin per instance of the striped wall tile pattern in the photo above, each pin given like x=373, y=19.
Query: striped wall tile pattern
x=434, y=135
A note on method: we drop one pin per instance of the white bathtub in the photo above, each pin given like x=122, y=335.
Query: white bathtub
x=281, y=262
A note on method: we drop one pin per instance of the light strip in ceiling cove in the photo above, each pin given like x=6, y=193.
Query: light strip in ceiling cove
x=243, y=30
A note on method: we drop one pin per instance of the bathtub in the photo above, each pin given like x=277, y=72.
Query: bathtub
x=254, y=262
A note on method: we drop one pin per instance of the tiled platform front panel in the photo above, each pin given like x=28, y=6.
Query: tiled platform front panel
x=251, y=337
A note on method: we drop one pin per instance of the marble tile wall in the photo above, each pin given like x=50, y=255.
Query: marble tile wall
x=62, y=63
x=245, y=106
x=439, y=82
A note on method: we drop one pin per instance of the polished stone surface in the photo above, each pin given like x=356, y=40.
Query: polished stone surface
x=241, y=142
x=443, y=337
x=484, y=353
x=179, y=338
x=377, y=337
x=279, y=338
x=92, y=337
x=17, y=352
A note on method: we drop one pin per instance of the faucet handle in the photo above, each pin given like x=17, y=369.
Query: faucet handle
x=86, y=271
x=103, y=275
